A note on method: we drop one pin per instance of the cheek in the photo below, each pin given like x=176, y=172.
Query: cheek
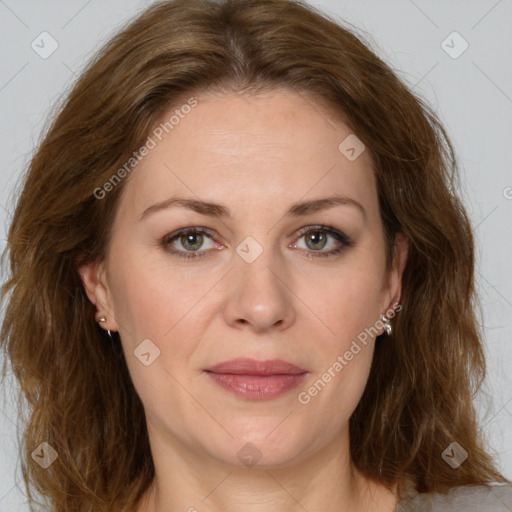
x=348, y=303
x=139, y=303
x=160, y=303
x=151, y=305
x=151, y=299
x=347, y=298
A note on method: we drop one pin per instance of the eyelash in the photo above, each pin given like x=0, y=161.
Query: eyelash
x=344, y=240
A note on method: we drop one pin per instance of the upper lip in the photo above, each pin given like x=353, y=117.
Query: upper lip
x=255, y=367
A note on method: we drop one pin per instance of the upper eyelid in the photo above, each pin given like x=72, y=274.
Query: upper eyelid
x=300, y=233
x=181, y=232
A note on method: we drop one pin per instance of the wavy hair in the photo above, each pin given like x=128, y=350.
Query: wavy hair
x=76, y=385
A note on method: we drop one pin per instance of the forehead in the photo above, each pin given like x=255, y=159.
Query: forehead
x=249, y=150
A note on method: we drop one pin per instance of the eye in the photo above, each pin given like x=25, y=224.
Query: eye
x=317, y=238
x=191, y=241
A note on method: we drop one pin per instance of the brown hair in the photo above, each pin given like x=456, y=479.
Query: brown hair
x=81, y=399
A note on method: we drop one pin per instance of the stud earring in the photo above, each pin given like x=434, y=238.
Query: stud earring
x=103, y=319
x=387, y=325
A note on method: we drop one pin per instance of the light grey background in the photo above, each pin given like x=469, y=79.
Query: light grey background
x=471, y=93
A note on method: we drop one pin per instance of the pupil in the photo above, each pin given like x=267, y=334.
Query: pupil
x=318, y=237
x=190, y=239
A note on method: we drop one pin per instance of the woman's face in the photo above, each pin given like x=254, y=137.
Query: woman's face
x=246, y=282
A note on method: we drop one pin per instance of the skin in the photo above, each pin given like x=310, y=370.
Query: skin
x=256, y=155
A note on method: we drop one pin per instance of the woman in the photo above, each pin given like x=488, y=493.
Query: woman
x=241, y=279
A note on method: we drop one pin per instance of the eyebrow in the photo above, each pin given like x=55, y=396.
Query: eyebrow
x=217, y=210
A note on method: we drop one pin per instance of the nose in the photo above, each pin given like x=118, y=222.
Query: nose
x=259, y=294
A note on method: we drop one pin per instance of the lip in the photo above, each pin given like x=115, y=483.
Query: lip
x=257, y=380
x=247, y=366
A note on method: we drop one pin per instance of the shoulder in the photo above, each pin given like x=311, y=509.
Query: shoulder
x=493, y=497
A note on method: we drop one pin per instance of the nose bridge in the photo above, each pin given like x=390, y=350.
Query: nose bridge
x=258, y=264
x=259, y=295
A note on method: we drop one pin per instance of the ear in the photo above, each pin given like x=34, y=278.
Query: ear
x=94, y=279
x=400, y=252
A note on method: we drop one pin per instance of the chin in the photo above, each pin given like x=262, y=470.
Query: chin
x=262, y=451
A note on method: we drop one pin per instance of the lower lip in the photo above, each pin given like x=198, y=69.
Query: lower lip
x=257, y=387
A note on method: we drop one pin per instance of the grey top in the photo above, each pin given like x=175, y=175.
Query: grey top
x=494, y=497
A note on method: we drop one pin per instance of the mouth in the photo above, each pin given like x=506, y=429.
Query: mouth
x=256, y=380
